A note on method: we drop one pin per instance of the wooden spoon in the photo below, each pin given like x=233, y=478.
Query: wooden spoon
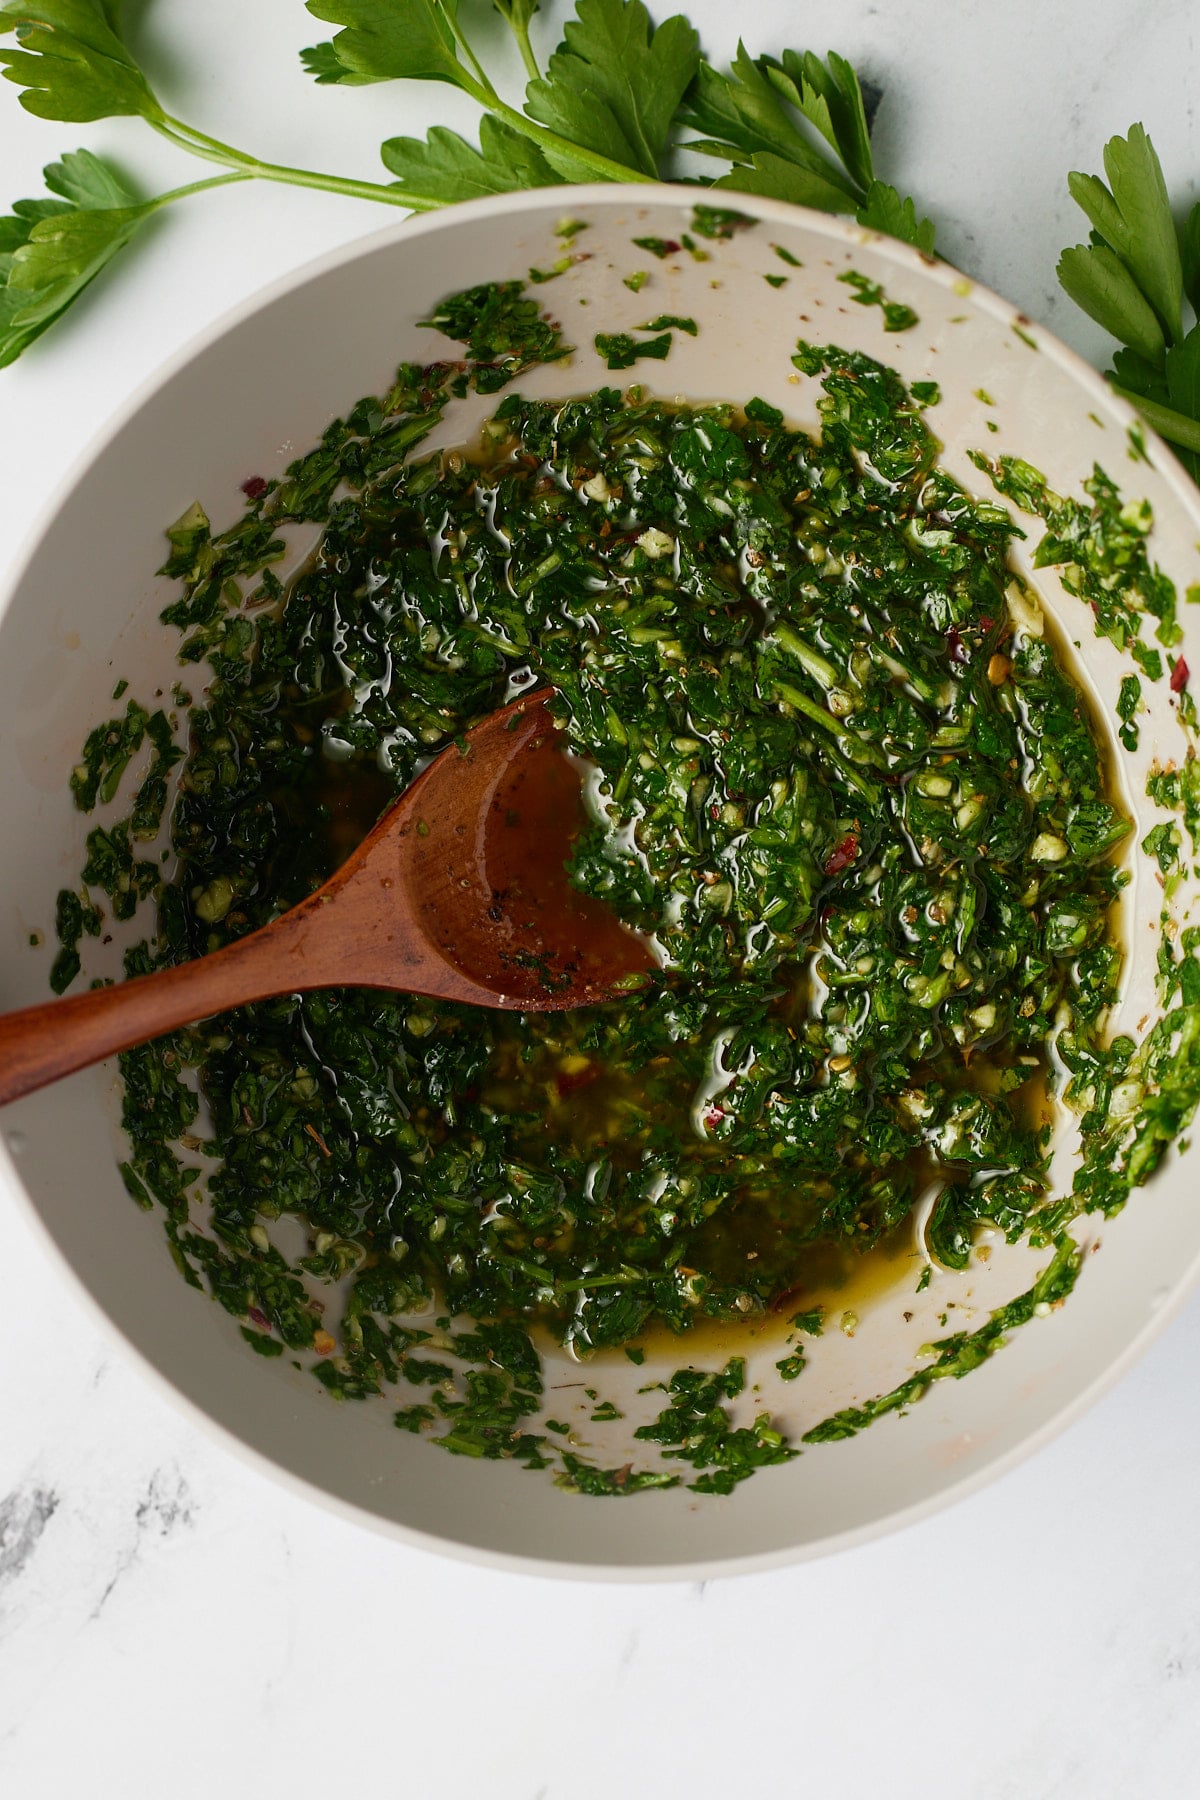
x=459, y=893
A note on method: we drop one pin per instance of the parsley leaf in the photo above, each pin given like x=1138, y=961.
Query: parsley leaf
x=758, y=118
x=447, y=168
x=1098, y=281
x=1183, y=374
x=63, y=254
x=614, y=85
x=1189, y=253
x=71, y=63
x=828, y=94
x=1135, y=374
x=1133, y=279
x=327, y=69
x=884, y=210
x=51, y=249
x=778, y=178
x=743, y=113
x=84, y=181
x=1134, y=220
x=387, y=40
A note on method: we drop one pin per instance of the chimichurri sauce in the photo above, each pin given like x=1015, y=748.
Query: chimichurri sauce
x=850, y=790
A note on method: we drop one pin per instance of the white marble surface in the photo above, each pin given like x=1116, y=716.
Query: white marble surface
x=171, y=1623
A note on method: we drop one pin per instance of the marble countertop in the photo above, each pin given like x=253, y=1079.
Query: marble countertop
x=171, y=1622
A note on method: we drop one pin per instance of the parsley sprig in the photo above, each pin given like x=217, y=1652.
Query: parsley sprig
x=776, y=120
x=1139, y=277
x=618, y=100
x=51, y=248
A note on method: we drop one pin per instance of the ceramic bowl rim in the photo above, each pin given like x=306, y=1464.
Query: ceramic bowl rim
x=844, y=233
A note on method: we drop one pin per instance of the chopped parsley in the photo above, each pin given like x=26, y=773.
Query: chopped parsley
x=896, y=316
x=696, y=1427
x=1129, y=704
x=719, y=222
x=660, y=247
x=621, y=351
x=828, y=742
x=1099, y=548
x=504, y=332
x=667, y=321
x=959, y=1354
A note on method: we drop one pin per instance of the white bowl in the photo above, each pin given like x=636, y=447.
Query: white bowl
x=83, y=611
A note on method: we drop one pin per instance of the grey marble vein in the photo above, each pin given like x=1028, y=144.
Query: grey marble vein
x=24, y=1516
x=167, y=1504
x=165, y=1508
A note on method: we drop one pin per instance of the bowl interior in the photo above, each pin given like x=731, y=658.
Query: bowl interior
x=257, y=391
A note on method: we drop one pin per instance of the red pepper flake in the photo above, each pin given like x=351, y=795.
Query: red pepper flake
x=958, y=650
x=1179, y=676
x=254, y=487
x=671, y=248
x=713, y=1117
x=259, y=1318
x=842, y=855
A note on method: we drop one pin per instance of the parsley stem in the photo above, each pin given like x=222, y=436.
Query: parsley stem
x=583, y=1283
x=200, y=187
x=521, y=32
x=481, y=80
x=859, y=747
x=1176, y=427
x=213, y=150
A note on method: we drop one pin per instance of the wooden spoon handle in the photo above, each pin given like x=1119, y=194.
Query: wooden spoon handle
x=41, y=1043
x=370, y=946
